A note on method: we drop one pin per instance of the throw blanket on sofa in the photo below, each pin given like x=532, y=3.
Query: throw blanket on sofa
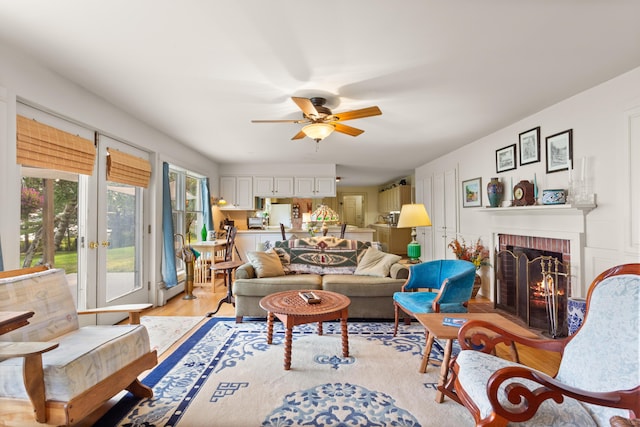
x=321, y=255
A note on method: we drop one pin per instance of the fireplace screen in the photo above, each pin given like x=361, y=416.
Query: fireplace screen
x=532, y=284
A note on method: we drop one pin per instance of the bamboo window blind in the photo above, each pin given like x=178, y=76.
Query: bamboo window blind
x=44, y=146
x=127, y=169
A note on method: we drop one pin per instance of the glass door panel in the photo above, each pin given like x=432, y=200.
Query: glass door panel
x=120, y=236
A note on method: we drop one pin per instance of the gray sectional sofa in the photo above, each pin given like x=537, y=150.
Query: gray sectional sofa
x=366, y=275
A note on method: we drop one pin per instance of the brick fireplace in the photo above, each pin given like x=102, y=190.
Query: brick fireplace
x=533, y=280
x=557, y=229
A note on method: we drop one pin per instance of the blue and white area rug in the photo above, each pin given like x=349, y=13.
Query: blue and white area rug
x=227, y=375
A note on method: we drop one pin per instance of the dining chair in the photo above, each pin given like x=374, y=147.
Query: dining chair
x=343, y=229
x=450, y=282
x=227, y=253
x=597, y=382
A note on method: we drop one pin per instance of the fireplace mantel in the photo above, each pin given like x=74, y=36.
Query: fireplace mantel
x=541, y=209
x=566, y=222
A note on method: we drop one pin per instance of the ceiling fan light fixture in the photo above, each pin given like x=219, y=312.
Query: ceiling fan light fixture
x=318, y=131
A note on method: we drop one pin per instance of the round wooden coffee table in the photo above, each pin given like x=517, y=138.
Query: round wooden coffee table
x=292, y=310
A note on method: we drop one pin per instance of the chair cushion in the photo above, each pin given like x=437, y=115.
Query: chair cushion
x=47, y=294
x=83, y=358
x=421, y=302
x=613, y=318
x=376, y=263
x=476, y=367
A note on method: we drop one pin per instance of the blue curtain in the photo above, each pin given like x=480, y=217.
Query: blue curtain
x=169, y=275
x=1, y=262
x=206, y=204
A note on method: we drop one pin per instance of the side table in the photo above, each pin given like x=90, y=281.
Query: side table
x=434, y=328
x=228, y=267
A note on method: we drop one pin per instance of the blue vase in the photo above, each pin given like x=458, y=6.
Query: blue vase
x=495, y=191
x=576, y=309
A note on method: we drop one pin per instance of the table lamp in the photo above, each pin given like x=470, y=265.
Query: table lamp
x=413, y=215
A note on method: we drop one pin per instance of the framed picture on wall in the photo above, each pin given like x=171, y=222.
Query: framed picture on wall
x=472, y=193
x=530, y=146
x=506, y=158
x=560, y=151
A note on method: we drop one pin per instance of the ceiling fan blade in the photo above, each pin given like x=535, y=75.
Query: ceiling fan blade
x=347, y=129
x=280, y=121
x=299, y=135
x=357, y=114
x=306, y=106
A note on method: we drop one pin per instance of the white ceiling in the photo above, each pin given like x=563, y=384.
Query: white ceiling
x=443, y=72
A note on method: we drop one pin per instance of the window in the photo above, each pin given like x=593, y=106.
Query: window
x=186, y=204
x=49, y=201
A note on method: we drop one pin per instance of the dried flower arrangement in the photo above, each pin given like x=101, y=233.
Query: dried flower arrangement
x=476, y=253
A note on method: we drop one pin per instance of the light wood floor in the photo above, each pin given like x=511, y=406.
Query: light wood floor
x=207, y=301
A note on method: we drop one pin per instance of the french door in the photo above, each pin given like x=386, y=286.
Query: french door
x=87, y=225
x=116, y=240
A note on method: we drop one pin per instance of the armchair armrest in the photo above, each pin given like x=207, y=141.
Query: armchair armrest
x=399, y=271
x=245, y=271
x=526, y=401
x=134, y=311
x=32, y=371
x=484, y=336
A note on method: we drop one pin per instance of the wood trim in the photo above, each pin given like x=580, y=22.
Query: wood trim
x=22, y=271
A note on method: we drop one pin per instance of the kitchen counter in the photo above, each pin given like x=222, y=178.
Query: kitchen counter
x=300, y=231
x=253, y=240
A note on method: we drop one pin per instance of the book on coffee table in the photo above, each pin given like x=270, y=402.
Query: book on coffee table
x=453, y=321
x=310, y=297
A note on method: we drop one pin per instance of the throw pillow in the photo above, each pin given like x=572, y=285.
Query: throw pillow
x=266, y=264
x=376, y=263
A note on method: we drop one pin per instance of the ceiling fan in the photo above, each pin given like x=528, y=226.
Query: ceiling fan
x=321, y=122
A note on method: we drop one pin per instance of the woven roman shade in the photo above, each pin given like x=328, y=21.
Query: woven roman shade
x=44, y=146
x=127, y=169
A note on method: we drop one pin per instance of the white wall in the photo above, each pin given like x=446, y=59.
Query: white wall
x=599, y=119
x=22, y=78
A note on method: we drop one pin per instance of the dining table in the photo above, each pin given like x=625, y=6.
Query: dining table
x=207, y=250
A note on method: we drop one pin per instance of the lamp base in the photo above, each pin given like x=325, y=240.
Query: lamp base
x=413, y=252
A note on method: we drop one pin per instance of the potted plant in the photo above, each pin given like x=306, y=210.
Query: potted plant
x=476, y=253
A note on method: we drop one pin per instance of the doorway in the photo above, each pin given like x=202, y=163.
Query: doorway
x=352, y=208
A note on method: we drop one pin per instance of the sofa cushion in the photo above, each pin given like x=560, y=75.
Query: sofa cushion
x=376, y=263
x=266, y=264
x=269, y=285
x=83, y=358
x=321, y=255
x=362, y=286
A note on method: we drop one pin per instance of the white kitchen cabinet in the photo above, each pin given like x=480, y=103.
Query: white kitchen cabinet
x=322, y=186
x=325, y=186
x=237, y=191
x=273, y=186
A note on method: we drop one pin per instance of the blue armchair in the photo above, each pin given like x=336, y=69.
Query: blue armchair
x=451, y=284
